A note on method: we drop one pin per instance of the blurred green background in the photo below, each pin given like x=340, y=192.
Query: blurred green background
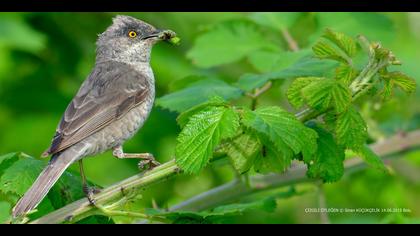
x=44, y=57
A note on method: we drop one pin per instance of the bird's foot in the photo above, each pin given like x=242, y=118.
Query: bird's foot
x=89, y=192
x=148, y=163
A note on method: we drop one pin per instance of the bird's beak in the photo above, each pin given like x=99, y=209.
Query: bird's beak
x=161, y=35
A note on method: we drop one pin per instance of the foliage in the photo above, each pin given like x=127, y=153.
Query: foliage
x=336, y=93
x=277, y=134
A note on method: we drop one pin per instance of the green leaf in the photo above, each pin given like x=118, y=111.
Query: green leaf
x=197, y=93
x=275, y=20
x=327, y=163
x=5, y=215
x=326, y=93
x=7, y=156
x=304, y=67
x=345, y=73
x=388, y=90
x=20, y=176
x=202, y=133
x=324, y=50
x=264, y=60
x=184, y=82
x=243, y=150
x=183, y=118
x=344, y=42
x=371, y=158
x=227, y=42
x=351, y=130
x=287, y=133
x=270, y=159
x=294, y=92
x=406, y=83
x=66, y=190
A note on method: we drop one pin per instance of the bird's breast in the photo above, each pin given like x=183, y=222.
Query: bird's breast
x=122, y=129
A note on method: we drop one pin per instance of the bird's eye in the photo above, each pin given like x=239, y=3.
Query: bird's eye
x=132, y=34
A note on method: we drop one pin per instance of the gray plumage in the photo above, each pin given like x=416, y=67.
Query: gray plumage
x=109, y=108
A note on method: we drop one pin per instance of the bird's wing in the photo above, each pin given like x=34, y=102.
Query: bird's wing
x=111, y=90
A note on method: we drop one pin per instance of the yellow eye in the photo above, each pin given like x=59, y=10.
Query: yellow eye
x=132, y=34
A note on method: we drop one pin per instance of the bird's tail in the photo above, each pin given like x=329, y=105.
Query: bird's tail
x=51, y=173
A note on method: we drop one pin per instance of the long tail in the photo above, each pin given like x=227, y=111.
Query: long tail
x=51, y=173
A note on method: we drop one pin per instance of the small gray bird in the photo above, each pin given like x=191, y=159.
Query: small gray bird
x=110, y=107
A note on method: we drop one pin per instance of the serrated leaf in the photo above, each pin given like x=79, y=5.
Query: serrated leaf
x=327, y=163
x=270, y=159
x=184, y=82
x=371, y=158
x=406, y=83
x=345, y=73
x=243, y=150
x=7, y=160
x=351, y=129
x=388, y=90
x=183, y=118
x=287, y=133
x=324, y=50
x=275, y=20
x=264, y=60
x=346, y=43
x=196, y=93
x=304, y=67
x=227, y=42
x=294, y=94
x=326, y=93
x=202, y=133
x=20, y=176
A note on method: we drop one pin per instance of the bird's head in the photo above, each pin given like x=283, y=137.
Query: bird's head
x=130, y=40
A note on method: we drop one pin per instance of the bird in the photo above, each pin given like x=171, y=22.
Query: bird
x=111, y=105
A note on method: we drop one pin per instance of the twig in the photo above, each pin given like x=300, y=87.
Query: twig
x=258, y=92
x=291, y=42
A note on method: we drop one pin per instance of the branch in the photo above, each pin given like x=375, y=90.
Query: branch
x=236, y=189
x=291, y=42
x=82, y=208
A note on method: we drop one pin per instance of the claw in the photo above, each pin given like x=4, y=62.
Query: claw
x=89, y=192
x=149, y=161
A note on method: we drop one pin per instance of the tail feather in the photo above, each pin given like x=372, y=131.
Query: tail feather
x=42, y=185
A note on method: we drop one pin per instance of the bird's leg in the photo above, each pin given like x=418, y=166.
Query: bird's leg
x=89, y=191
x=148, y=158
